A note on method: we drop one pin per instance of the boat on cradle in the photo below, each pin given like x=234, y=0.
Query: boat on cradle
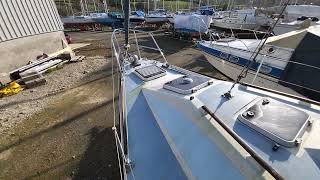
x=107, y=19
x=177, y=124
x=194, y=22
x=289, y=59
x=72, y=20
x=158, y=16
x=137, y=17
x=206, y=10
x=242, y=20
x=220, y=15
x=301, y=23
x=170, y=17
x=115, y=19
x=293, y=12
x=160, y=102
x=296, y=17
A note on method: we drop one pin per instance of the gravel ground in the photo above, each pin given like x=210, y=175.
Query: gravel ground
x=63, y=130
x=14, y=109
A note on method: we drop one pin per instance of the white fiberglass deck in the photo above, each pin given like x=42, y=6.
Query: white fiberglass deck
x=245, y=44
x=171, y=137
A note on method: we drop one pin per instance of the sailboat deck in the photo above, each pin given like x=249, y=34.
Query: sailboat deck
x=169, y=132
x=243, y=44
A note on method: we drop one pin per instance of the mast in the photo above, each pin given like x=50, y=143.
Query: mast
x=176, y=6
x=67, y=10
x=105, y=5
x=94, y=4
x=228, y=5
x=148, y=6
x=122, y=5
x=82, y=7
x=86, y=5
x=70, y=5
x=126, y=8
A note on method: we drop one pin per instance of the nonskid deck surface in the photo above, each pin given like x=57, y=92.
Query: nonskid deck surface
x=244, y=44
x=168, y=127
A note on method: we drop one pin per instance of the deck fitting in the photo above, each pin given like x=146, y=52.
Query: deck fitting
x=275, y=147
x=227, y=95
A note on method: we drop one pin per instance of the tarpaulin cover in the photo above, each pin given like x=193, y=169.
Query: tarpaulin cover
x=140, y=13
x=192, y=22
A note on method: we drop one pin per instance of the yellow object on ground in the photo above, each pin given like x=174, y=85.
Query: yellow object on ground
x=11, y=89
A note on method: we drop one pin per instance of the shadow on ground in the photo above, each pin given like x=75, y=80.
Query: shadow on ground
x=97, y=162
x=71, y=138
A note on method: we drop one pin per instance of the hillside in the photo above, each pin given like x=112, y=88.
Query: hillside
x=69, y=7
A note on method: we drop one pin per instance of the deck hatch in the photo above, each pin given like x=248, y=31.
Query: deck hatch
x=277, y=121
x=187, y=84
x=150, y=72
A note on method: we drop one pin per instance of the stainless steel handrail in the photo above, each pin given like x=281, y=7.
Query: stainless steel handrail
x=119, y=51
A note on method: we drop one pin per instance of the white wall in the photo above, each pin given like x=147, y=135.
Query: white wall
x=28, y=28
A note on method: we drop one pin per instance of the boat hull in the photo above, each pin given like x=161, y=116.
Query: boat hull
x=236, y=26
x=285, y=28
x=156, y=19
x=71, y=20
x=241, y=61
x=105, y=21
x=171, y=20
x=232, y=71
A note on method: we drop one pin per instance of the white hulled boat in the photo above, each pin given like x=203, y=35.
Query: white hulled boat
x=278, y=58
x=157, y=16
x=194, y=22
x=246, y=19
x=296, y=17
x=177, y=124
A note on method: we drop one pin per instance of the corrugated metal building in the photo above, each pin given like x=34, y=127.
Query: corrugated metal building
x=27, y=28
x=21, y=18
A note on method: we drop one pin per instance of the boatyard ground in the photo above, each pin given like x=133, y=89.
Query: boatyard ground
x=63, y=129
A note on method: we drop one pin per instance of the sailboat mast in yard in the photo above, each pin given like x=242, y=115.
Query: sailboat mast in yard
x=86, y=6
x=94, y=5
x=126, y=8
x=105, y=6
x=82, y=7
x=176, y=6
x=71, y=8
